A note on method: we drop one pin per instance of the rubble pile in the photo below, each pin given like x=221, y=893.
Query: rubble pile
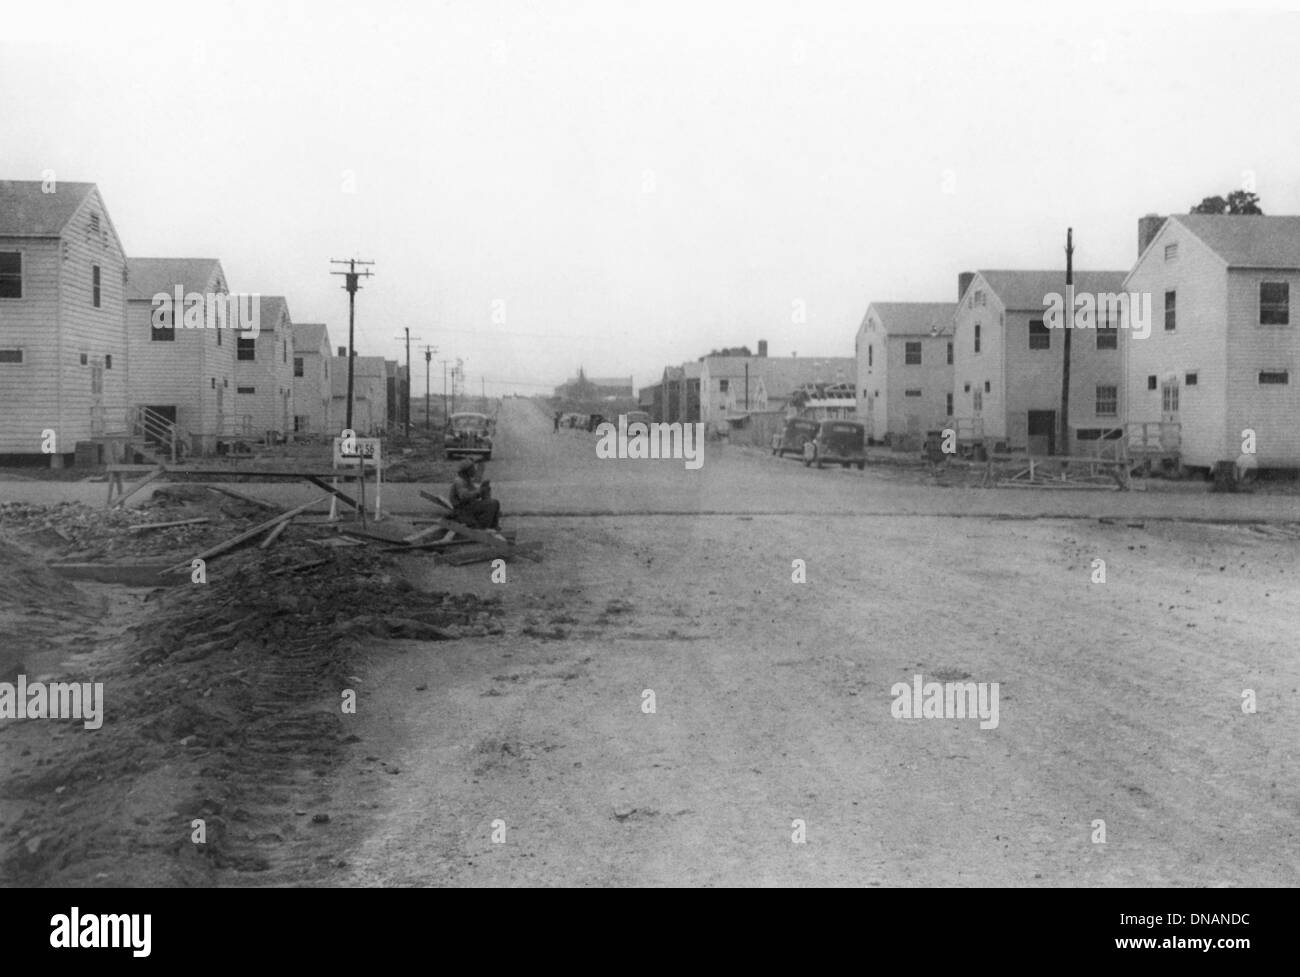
x=73, y=530
x=222, y=703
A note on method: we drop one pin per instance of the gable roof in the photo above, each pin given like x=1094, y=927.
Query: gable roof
x=1247, y=240
x=782, y=375
x=1023, y=291
x=149, y=276
x=27, y=212
x=729, y=366
x=310, y=336
x=271, y=307
x=914, y=318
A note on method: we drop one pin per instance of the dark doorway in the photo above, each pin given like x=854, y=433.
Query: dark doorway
x=156, y=417
x=1042, y=432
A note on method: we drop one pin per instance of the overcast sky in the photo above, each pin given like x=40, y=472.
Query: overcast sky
x=627, y=190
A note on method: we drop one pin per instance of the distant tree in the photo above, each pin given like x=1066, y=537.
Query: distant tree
x=1237, y=202
x=731, y=351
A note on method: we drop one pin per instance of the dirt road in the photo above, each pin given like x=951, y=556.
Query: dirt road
x=1120, y=702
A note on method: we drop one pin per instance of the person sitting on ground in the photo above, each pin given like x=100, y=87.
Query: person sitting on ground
x=471, y=501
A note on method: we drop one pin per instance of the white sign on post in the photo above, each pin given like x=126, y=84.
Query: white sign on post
x=350, y=452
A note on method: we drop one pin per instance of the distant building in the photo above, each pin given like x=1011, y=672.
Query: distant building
x=264, y=367
x=181, y=376
x=312, y=394
x=1007, y=363
x=63, y=340
x=819, y=385
x=369, y=394
x=651, y=400
x=397, y=385
x=904, y=368
x=1221, y=358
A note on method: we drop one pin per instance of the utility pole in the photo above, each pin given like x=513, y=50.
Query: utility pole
x=428, y=358
x=444, y=388
x=1069, y=328
x=408, y=378
x=352, y=277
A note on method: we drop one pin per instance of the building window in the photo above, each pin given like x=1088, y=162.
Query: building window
x=108, y=361
x=950, y=354
x=950, y=405
x=246, y=349
x=94, y=285
x=219, y=332
x=977, y=337
x=284, y=353
x=1273, y=376
x=978, y=297
x=84, y=359
x=1189, y=379
x=164, y=334
x=1107, y=400
x=11, y=275
x=11, y=356
x=911, y=393
x=94, y=223
x=1171, y=317
x=1171, y=251
x=966, y=389
x=1274, y=304
x=722, y=386
x=1169, y=397
x=978, y=402
x=870, y=355
x=1107, y=336
x=297, y=366
x=245, y=390
x=912, y=354
x=1040, y=337
x=988, y=387
x=1151, y=382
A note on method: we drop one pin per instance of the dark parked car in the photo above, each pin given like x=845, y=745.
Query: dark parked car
x=798, y=431
x=468, y=434
x=837, y=441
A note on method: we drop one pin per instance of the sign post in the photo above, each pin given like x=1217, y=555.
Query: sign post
x=362, y=453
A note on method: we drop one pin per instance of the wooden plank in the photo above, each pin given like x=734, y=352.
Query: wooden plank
x=274, y=534
x=247, y=534
x=437, y=499
x=441, y=544
x=484, y=536
x=166, y=525
x=139, y=485
x=421, y=534
x=270, y=506
x=332, y=491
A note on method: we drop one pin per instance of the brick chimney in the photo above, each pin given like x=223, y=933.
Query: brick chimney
x=762, y=347
x=1148, y=227
x=963, y=282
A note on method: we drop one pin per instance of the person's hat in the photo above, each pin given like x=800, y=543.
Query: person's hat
x=468, y=465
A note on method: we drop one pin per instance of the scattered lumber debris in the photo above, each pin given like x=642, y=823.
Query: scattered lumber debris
x=248, y=534
x=168, y=525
